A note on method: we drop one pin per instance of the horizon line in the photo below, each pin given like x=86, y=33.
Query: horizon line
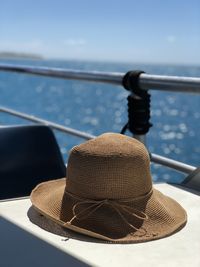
x=40, y=57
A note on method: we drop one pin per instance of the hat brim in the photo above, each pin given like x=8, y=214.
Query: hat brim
x=165, y=215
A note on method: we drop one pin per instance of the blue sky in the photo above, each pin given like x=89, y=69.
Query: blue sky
x=152, y=31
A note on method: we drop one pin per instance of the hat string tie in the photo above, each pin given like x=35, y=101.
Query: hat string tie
x=121, y=208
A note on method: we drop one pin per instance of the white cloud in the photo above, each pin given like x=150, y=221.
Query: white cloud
x=171, y=39
x=75, y=42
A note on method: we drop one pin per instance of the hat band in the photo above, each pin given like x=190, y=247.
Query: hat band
x=122, y=209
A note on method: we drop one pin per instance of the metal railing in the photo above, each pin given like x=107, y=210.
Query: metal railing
x=146, y=81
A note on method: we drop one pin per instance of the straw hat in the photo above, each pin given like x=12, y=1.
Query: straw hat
x=108, y=193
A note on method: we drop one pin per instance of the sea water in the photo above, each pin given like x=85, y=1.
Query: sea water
x=98, y=108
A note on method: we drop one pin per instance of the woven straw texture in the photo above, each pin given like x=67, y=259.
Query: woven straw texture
x=108, y=194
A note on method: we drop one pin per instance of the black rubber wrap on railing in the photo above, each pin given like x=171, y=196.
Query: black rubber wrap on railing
x=138, y=104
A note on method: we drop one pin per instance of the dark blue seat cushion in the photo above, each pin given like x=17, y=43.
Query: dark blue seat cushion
x=28, y=155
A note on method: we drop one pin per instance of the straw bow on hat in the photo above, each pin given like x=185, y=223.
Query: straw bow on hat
x=108, y=193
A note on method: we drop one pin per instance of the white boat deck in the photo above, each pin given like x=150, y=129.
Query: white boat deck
x=24, y=243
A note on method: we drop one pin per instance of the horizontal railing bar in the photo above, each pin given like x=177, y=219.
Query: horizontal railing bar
x=170, y=83
x=146, y=81
x=92, y=76
x=173, y=164
x=48, y=123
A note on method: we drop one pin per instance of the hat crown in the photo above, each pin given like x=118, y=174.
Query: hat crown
x=110, y=166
